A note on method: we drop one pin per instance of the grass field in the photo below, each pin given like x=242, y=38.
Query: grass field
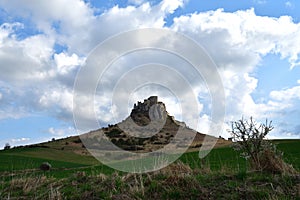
x=78, y=176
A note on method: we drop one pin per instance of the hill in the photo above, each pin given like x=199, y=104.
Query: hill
x=148, y=128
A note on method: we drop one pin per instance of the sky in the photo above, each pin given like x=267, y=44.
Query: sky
x=43, y=45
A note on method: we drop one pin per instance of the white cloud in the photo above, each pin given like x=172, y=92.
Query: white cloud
x=281, y=133
x=286, y=95
x=288, y=4
x=14, y=113
x=60, y=100
x=18, y=140
x=69, y=13
x=260, y=1
x=235, y=41
x=6, y=29
x=68, y=20
x=62, y=132
x=136, y=2
x=169, y=6
x=80, y=19
x=239, y=38
x=24, y=61
x=66, y=63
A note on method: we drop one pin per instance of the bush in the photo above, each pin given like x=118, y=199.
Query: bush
x=249, y=138
x=114, y=133
x=77, y=141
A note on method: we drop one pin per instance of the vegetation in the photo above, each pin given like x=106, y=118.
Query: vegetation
x=7, y=146
x=178, y=181
x=223, y=174
x=262, y=154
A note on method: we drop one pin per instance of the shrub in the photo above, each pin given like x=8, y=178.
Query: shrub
x=249, y=138
x=114, y=133
x=77, y=141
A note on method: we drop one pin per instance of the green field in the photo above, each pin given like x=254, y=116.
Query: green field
x=31, y=158
x=19, y=166
x=228, y=158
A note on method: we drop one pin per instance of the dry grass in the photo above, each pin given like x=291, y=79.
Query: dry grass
x=274, y=163
x=28, y=185
x=176, y=169
x=54, y=193
x=177, y=181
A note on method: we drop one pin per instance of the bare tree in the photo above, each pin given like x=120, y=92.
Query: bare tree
x=249, y=138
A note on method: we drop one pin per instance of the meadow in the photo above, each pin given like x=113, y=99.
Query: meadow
x=222, y=174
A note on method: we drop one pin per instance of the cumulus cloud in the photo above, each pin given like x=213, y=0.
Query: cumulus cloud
x=58, y=102
x=169, y=6
x=286, y=104
x=89, y=29
x=25, y=60
x=237, y=43
x=66, y=63
x=237, y=40
x=33, y=71
x=43, y=14
x=286, y=95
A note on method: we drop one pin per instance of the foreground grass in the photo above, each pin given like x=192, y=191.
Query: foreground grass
x=175, y=182
x=223, y=174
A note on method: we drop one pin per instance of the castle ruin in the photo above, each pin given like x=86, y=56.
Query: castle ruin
x=158, y=110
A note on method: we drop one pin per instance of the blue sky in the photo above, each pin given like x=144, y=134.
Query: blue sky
x=44, y=44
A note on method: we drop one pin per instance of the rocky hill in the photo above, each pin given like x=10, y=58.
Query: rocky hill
x=148, y=128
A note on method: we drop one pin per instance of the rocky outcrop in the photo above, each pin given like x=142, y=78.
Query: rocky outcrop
x=149, y=110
